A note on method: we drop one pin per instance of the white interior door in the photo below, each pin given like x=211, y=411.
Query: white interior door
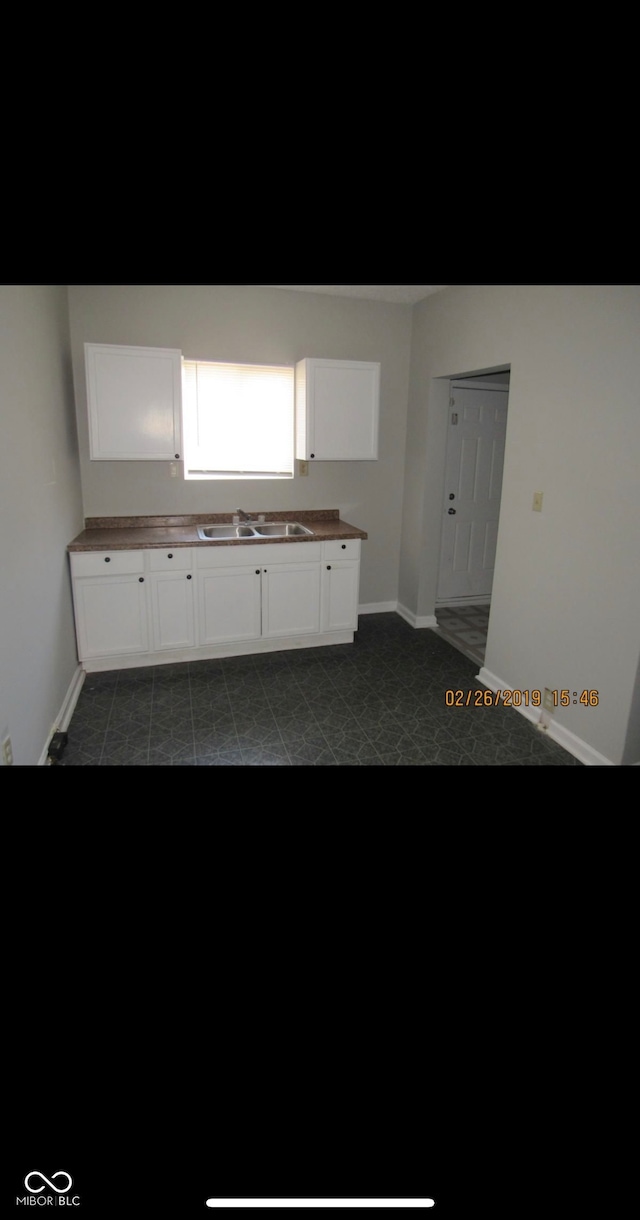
x=473, y=484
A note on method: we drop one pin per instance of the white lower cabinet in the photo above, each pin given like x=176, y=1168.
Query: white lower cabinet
x=340, y=585
x=229, y=604
x=110, y=610
x=251, y=593
x=152, y=606
x=290, y=599
x=172, y=598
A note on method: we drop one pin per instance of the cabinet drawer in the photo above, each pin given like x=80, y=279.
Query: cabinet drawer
x=171, y=559
x=106, y=563
x=349, y=549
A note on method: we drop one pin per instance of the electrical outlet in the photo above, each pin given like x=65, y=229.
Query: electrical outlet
x=547, y=701
x=537, y=501
x=303, y=467
x=7, y=752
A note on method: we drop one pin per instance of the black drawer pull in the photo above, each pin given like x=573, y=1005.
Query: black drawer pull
x=107, y=560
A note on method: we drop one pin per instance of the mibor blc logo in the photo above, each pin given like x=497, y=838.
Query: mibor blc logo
x=39, y=1190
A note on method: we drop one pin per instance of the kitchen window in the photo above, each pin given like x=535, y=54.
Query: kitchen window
x=238, y=420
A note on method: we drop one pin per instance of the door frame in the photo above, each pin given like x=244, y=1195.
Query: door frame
x=430, y=490
x=472, y=381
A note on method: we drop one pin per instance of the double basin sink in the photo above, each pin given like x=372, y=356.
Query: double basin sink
x=275, y=529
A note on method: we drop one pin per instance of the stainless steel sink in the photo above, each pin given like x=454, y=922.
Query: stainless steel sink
x=209, y=533
x=276, y=529
x=282, y=529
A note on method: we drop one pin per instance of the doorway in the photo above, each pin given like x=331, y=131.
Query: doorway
x=476, y=430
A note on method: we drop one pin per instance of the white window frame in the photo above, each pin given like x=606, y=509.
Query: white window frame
x=238, y=420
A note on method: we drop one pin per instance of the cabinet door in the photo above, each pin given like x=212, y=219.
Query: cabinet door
x=337, y=410
x=134, y=397
x=290, y=599
x=111, y=615
x=340, y=596
x=340, y=585
x=229, y=604
x=172, y=610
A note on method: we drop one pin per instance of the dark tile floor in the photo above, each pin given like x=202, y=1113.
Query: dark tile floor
x=380, y=701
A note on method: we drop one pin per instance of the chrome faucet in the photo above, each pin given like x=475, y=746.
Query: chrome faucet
x=244, y=516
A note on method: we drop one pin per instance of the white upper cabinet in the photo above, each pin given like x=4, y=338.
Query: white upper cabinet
x=337, y=410
x=134, y=397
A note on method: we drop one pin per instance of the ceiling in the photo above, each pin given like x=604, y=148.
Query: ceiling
x=397, y=294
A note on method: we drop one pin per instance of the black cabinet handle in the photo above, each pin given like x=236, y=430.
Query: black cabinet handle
x=107, y=560
x=312, y=455
x=328, y=567
x=188, y=578
x=141, y=580
x=344, y=546
x=176, y=455
x=257, y=571
x=170, y=555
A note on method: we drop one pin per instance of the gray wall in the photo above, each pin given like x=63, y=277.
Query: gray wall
x=41, y=511
x=256, y=325
x=566, y=593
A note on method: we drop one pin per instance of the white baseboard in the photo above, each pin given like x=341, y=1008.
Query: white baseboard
x=415, y=620
x=63, y=718
x=545, y=723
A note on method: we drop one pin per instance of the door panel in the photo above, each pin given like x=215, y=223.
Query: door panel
x=473, y=485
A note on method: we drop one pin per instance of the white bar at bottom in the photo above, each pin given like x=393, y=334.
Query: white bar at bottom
x=320, y=1202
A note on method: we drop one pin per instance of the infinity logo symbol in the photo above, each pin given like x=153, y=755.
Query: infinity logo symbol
x=35, y=1190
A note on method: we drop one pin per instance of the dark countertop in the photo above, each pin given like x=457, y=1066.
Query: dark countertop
x=139, y=533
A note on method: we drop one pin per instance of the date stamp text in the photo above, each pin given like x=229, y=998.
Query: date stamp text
x=520, y=698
